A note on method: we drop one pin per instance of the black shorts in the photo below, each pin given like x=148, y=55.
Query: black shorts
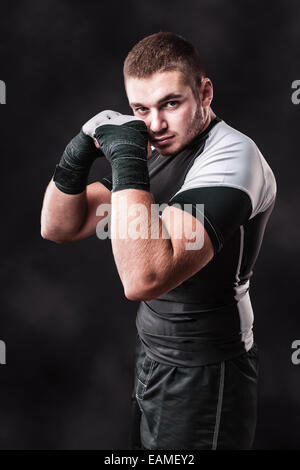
x=206, y=407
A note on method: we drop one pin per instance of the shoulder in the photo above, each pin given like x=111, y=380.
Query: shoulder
x=232, y=159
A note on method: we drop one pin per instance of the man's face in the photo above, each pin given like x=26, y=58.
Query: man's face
x=168, y=107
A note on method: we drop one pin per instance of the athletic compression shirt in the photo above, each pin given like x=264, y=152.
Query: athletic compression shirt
x=209, y=318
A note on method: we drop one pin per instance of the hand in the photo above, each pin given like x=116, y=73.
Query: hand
x=118, y=131
x=105, y=116
x=124, y=141
x=72, y=171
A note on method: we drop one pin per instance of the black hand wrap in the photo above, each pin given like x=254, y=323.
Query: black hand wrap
x=125, y=146
x=71, y=173
x=107, y=181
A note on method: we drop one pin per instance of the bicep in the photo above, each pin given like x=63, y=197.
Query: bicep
x=192, y=248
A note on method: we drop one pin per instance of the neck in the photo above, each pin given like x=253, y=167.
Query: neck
x=210, y=116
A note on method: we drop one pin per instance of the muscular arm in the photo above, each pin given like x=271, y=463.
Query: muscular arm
x=68, y=217
x=151, y=266
x=69, y=207
x=152, y=263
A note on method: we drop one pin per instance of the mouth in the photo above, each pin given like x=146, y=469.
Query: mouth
x=163, y=141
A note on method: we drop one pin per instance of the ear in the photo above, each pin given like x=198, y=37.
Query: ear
x=206, y=92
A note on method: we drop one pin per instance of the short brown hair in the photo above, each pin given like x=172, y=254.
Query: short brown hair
x=164, y=51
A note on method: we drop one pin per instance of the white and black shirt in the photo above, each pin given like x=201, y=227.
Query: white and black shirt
x=208, y=318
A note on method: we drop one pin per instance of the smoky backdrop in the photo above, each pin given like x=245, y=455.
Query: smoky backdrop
x=68, y=329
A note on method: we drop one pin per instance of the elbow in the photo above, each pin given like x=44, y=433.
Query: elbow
x=143, y=288
x=51, y=236
x=134, y=294
x=138, y=295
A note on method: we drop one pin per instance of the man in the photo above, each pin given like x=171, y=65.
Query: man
x=196, y=361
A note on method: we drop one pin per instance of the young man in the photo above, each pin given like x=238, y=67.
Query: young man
x=196, y=361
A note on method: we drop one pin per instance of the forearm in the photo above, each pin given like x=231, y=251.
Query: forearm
x=62, y=214
x=142, y=262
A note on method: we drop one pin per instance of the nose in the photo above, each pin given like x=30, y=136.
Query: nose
x=157, y=122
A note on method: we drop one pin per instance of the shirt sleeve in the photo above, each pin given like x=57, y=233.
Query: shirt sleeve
x=222, y=209
x=232, y=181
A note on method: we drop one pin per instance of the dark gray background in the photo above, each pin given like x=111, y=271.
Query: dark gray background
x=68, y=328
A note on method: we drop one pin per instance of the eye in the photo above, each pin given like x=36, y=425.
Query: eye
x=141, y=110
x=171, y=104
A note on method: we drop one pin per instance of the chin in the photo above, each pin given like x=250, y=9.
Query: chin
x=164, y=153
x=167, y=152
